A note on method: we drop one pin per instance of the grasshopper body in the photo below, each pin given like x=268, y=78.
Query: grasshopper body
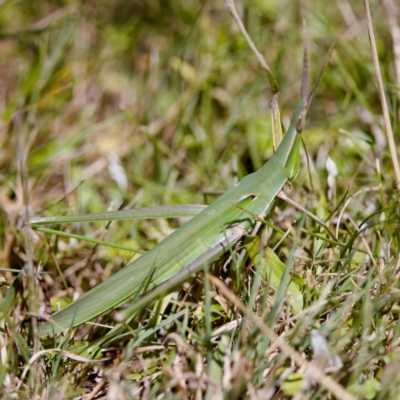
x=255, y=193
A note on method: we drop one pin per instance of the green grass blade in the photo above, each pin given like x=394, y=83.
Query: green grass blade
x=89, y=240
x=272, y=270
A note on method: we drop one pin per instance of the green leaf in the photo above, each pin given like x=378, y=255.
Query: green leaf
x=366, y=390
x=292, y=384
x=272, y=270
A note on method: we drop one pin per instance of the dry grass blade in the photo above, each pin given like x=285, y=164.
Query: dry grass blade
x=319, y=376
x=30, y=269
x=276, y=119
x=230, y=4
x=65, y=353
x=388, y=124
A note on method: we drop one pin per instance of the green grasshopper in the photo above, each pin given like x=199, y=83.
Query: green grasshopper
x=210, y=233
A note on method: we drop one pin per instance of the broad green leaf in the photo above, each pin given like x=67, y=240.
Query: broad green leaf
x=272, y=270
x=292, y=384
x=366, y=390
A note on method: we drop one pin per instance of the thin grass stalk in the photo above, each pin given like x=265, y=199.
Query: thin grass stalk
x=32, y=300
x=388, y=125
